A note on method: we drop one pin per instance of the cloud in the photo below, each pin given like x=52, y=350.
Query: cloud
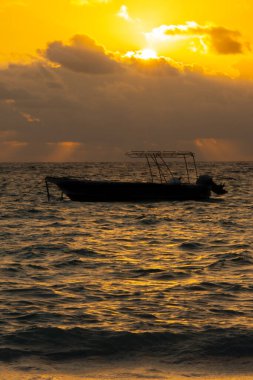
x=147, y=105
x=218, y=38
x=219, y=148
x=11, y=150
x=29, y=118
x=7, y=135
x=10, y=102
x=244, y=68
x=82, y=55
x=123, y=13
x=153, y=66
x=225, y=41
x=63, y=151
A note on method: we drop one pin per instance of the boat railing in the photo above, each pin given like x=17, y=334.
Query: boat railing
x=160, y=167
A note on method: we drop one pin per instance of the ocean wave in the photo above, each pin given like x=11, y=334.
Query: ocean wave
x=62, y=344
x=32, y=291
x=145, y=272
x=191, y=245
x=172, y=275
x=86, y=252
x=232, y=259
x=168, y=274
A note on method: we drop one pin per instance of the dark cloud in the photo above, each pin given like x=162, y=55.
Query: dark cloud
x=222, y=40
x=82, y=55
x=160, y=67
x=226, y=41
x=66, y=116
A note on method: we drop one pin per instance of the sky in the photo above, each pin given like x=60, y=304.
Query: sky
x=88, y=80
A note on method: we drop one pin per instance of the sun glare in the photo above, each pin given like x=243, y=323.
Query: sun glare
x=142, y=54
x=148, y=54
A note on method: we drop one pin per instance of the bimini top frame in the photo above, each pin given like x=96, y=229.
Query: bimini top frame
x=158, y=160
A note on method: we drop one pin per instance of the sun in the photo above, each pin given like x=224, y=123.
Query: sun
x=142, y=54
x=148, y=54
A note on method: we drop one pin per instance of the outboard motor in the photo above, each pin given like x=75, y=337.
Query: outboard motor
x=206, y=180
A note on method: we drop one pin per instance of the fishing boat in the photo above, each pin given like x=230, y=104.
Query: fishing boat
x=164, y=184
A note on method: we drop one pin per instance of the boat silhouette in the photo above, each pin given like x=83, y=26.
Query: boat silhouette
x=163, y=185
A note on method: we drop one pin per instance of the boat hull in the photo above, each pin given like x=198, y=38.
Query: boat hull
x=109, y=191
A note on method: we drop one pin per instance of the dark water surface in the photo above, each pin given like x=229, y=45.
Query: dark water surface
x=124, y=279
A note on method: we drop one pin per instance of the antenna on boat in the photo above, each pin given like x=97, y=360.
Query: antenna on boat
x=150, y=169
x=158, y=158
x=53, y=180
x=47, y=187
x=195, y=166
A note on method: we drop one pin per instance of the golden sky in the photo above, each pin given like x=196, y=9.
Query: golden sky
x=93, y=57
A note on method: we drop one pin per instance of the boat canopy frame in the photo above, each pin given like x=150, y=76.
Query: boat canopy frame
x=157, y=162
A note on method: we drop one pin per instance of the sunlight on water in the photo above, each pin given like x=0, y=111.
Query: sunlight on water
x=124, y=277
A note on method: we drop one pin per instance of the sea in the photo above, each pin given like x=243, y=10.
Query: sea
x=167, y=283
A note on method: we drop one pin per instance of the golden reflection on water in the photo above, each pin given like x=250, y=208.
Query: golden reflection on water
x=139, y=268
